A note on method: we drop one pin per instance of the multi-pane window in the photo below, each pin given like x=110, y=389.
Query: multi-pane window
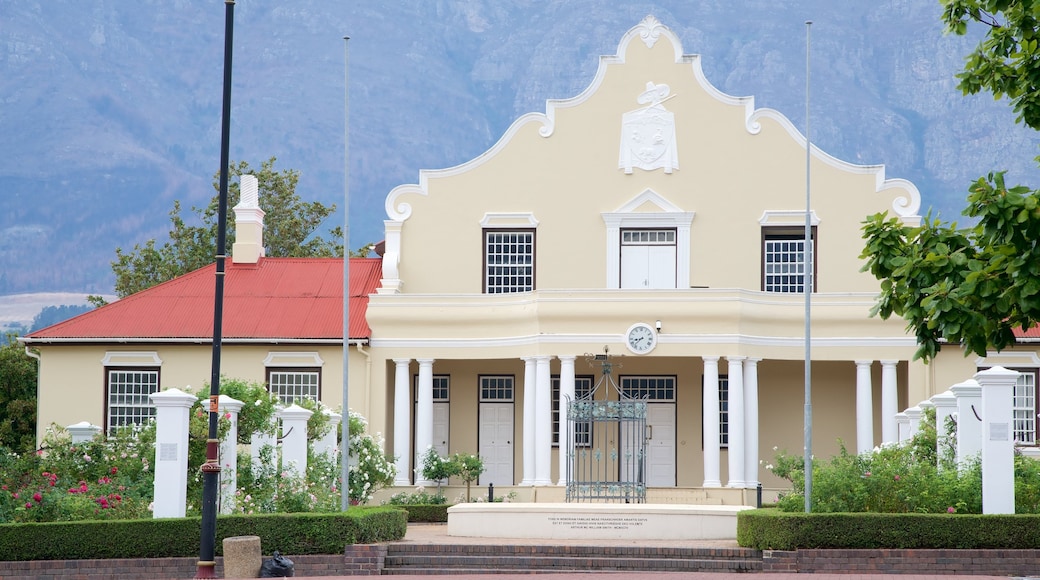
x=294, y=384
x=724, y=411
x=128, y=401
x=1024, y=408
x=582, y=389
x=648, y=237
x=648, y=388
x=496, y=388
x=508, y=261
x=783, y=260
x=441, y=385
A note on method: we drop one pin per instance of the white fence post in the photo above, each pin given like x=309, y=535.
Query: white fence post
x=969, y=419
x=229, y=453
x=945, y=407
x=329, y=442
x=902, y=428
x=998, y=442
x=913, y=415
x=172, y=409
x=294, y=439
x=82, y=431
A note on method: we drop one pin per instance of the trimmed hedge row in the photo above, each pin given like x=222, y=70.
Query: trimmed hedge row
x=297, y=533
x=423, y=513
x=770, y=529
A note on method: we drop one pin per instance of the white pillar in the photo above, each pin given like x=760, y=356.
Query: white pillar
x=257, y=443
x=566, y=395
x=913, y=416
x=710, y=419
x=528, y=468
x=228, y=453
x=735, y=453
x=751, y=422
x=864, y=407
x=945, y=407
x=403, y=422
x=424, y=417
x=998, y=441
x=328, y=443
x=82, y=431
x=294, y=439
x=172, y=410
x=902, y=428
x=889, y=402
x=969, y=419
x=543, y=421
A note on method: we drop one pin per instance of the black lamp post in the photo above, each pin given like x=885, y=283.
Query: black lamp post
x=211, y=469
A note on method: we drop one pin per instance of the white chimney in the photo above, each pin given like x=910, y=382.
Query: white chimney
x=249, y=224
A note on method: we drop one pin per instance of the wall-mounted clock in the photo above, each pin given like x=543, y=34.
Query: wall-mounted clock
x=641, y=338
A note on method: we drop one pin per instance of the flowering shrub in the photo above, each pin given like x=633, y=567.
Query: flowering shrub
x=370, y=469
x=418, y=497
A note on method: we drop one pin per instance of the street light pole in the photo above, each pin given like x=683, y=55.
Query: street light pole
x=211, y=468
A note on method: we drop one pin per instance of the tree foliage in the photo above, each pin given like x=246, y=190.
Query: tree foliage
x=1007, y=61
x=291, y=229
x=18, y=372
x=972, y=286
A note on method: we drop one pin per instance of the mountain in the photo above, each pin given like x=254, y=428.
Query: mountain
x=110, y=110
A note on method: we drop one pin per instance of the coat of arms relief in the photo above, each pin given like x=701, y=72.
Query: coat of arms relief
x=648, y=133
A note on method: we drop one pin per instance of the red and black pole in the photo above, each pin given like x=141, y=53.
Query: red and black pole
x=211, y=469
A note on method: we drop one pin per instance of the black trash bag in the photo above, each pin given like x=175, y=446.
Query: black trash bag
x=278, y=566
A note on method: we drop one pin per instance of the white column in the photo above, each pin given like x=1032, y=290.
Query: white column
x=294, y=439
x=710, y=419
x=424, y=416
x=543, y=421
x=751, y=422
x=945, y=407
x=172, y=409
x=969, y=419
x=735, y=453
x=889, y=402
x=228, y=453
x=998, y=441
x=864, y=407
x=82, y=431
x=566, y=395
x=528, y=468
x=403, y=422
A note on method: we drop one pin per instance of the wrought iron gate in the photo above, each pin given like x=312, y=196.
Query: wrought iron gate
x=606, y=443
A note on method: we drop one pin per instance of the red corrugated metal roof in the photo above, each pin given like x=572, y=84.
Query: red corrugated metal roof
x=1033, y=332
x=277, y=298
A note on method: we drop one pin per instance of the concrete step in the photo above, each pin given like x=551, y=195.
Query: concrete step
x=462, y=559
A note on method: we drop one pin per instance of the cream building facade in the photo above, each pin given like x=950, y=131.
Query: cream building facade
x=651, y=218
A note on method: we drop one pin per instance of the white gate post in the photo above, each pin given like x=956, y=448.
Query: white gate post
x=294, y=439
x=82, y=431
x=969, y=420
x=998, y=442
x=228, y=453
x=329, y=442
x=945, y=407
x=172, y=411
x=902, y=428
x=913, y=415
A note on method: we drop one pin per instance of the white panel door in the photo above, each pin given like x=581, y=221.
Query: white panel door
x=496, y=443
x=660, y=446
x=440, y=428
x=646, y=267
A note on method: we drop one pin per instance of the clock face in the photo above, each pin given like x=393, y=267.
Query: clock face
x=641, y=338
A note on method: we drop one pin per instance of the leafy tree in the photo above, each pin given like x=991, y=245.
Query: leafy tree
x=290, y=230
x=55, y=314
x=972, y=286
x=18, y=372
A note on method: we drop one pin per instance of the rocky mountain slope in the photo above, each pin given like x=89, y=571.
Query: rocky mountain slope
x=109, y=110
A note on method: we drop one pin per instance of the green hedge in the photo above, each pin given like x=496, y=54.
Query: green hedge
x=769, y=529
x=298, y=533
x=426, y=513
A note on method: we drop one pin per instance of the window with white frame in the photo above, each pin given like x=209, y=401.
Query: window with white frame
x=783, y=259
x=1024, y=407
x=496, y=388
x=582, y=431
x=294, y=384
x=508, y=261
x=127, y=401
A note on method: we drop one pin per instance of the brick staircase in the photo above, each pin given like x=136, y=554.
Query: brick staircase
x=485, y=559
